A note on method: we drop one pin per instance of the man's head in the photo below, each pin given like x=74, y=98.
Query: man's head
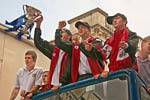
x=45, y=77
x=83, y=28
x=30, y=58
x=66, y=34
x=118, y=20
x=145, y=46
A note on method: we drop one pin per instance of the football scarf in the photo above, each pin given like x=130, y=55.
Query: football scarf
x=94, y=65
x=54, y=59
x=119, y=59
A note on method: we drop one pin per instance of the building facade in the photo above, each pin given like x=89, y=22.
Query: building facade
x=97, y=20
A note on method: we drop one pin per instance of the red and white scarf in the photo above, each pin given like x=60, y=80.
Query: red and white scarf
x=94, y=65
x=54, y=59
x=119, y=59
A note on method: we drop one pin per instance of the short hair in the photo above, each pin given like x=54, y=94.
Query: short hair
x=33, y=53
x=45, y=71
x=146, y=39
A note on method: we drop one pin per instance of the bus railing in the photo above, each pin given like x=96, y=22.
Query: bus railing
x=134, y=82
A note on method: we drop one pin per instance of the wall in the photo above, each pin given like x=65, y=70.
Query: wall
x=12, y=58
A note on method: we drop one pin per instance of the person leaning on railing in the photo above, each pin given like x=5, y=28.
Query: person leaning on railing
x=28, y=78
x=121, y=47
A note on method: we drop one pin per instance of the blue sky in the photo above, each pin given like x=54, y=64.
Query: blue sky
x=56, y=10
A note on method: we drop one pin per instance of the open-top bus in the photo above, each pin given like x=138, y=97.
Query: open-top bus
x=124, y=84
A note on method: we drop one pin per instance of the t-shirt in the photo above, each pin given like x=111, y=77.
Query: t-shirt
x=25, y=79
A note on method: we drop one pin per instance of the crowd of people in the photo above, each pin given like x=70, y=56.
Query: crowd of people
x=79, y=56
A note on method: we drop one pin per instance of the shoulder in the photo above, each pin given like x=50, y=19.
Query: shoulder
x=131, y=32
x=20, y=70
x=133, y=35
x=38, y=69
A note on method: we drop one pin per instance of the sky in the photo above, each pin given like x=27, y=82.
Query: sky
x=136, y=11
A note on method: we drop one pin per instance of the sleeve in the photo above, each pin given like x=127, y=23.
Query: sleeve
x=38, y=79
x=98, y=51
x=44, y=46
x=132, y=42
x=64, y=45
x=99, y=54
x=132, y=45
x=18, y=78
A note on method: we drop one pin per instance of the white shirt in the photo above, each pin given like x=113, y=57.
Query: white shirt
x=25, y=79
x=84, y=66
x=56, y=73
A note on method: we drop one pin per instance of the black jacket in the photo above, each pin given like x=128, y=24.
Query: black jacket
x=47, y=49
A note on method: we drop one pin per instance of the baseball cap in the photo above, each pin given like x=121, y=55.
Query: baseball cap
x=110, y=18
x=82, y=23
x=68, y=31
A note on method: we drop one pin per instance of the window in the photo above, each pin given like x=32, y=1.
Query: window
x=144, y=94
x=116, y=89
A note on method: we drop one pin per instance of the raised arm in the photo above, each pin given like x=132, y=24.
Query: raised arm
x=62, y=44
x=44, y=46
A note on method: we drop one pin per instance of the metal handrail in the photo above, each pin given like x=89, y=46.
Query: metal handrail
x=87, y=82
